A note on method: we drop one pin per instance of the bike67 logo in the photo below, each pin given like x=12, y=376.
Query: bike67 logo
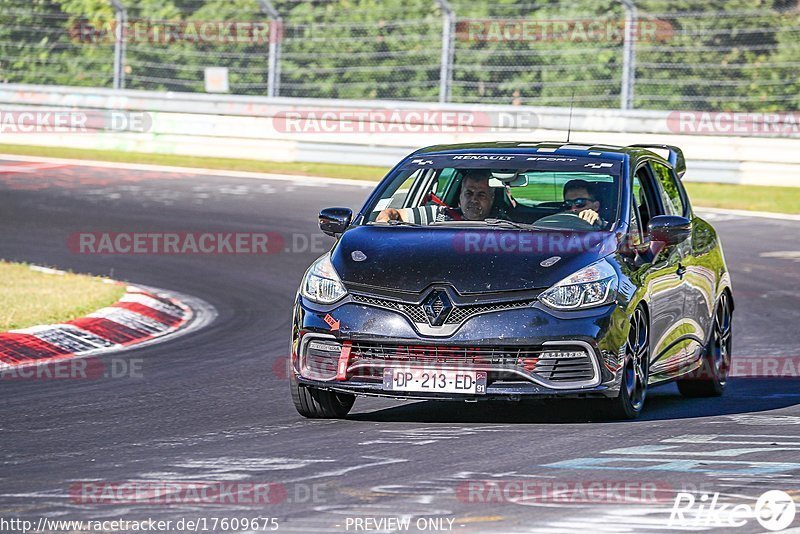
x=774, y=510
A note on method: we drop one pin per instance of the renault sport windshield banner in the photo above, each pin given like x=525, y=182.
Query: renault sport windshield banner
x=517, y=161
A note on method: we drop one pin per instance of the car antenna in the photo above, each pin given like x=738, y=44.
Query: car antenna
x=571, y=106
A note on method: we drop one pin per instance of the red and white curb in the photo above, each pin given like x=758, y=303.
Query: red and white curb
x=28, y=167
x=142, y=316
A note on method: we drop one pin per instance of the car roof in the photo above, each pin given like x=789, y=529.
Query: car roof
x=550, y=147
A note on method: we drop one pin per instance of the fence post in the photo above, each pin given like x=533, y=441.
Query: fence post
x=448, y=31
x=119, y=44
x=628, y=55
x=275, y=36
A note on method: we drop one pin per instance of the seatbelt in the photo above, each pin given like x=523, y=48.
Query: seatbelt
x=453, y=213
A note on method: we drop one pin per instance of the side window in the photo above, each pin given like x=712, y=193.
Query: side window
x=445, y=179
x=397, y=194
x=636, y=212
x=644, y=200
x=668, y=189
x=404, y=192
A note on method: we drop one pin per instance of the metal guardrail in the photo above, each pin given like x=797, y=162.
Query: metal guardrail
x=516, y=117
x=250, y=127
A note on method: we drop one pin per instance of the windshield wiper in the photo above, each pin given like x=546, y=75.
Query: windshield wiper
x=512, y=224
x=395, y=222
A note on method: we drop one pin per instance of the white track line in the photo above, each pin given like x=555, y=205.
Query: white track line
x=747, y=213
x=188, y=170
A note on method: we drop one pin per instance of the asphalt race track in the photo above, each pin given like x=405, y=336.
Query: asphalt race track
x=215, y=405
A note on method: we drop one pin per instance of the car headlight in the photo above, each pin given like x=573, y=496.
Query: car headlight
x=594, y=285
x=321, y=284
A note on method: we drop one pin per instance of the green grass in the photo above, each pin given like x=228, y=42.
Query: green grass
x=330, y=170
x=746, y=197
x=31, y=297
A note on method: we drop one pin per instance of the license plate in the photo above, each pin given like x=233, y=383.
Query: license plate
x=434, y=380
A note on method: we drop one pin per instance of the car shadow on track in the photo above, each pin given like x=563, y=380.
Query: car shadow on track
x=744, y=395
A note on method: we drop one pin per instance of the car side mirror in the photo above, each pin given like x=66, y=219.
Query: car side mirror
x=333, y=221
x=669, y=229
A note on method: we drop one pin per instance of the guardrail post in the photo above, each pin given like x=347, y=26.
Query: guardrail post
x=628, y=55
x=275, y=36
x=448, y=33
x=119, y=43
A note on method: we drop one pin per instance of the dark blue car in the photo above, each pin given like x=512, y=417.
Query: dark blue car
x=516, y=270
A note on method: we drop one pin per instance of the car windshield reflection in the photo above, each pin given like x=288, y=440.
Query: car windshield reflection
x=522, y=198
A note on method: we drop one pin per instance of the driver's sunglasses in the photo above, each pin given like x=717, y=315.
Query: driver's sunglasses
x=578, y=202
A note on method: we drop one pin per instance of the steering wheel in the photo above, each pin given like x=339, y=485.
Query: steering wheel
x=565, y=220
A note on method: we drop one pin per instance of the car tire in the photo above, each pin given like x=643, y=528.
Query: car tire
x=315, y=403
x=710, y=378
x=636, y=370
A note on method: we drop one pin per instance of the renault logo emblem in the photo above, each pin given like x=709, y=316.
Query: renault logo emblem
x=437, y=307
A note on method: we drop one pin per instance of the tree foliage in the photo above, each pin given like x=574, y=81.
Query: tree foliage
x=717, y=54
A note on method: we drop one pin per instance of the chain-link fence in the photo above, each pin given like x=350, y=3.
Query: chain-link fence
x=738, y=55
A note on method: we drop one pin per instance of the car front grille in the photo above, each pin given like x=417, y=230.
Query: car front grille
x=415, y=312
x=458, y=314
x=556, y=364
x=461, y=314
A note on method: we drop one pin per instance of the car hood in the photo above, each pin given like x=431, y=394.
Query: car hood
x=472, y=260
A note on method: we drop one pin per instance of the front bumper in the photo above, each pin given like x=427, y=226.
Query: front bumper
x=508, y=345
x=494, y=391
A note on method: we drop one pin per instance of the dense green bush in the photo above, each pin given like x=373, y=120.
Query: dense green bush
x=717, y=54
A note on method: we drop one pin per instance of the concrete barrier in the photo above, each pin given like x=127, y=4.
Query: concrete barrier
x=382, y=131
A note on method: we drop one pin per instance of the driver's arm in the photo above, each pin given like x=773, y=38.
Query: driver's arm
x=392, y=214
x=418, y=215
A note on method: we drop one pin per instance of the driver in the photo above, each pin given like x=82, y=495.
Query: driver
x=580, y=199
x=476, y=201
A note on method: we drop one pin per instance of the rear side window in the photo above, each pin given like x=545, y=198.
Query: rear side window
x=668, y=189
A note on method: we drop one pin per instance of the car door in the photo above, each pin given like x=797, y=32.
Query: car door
x=663, y=279
x=697, y=282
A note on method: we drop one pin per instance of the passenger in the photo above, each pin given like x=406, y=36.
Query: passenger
x=580, y=199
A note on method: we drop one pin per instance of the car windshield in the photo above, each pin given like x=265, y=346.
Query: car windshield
x=571, y=193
